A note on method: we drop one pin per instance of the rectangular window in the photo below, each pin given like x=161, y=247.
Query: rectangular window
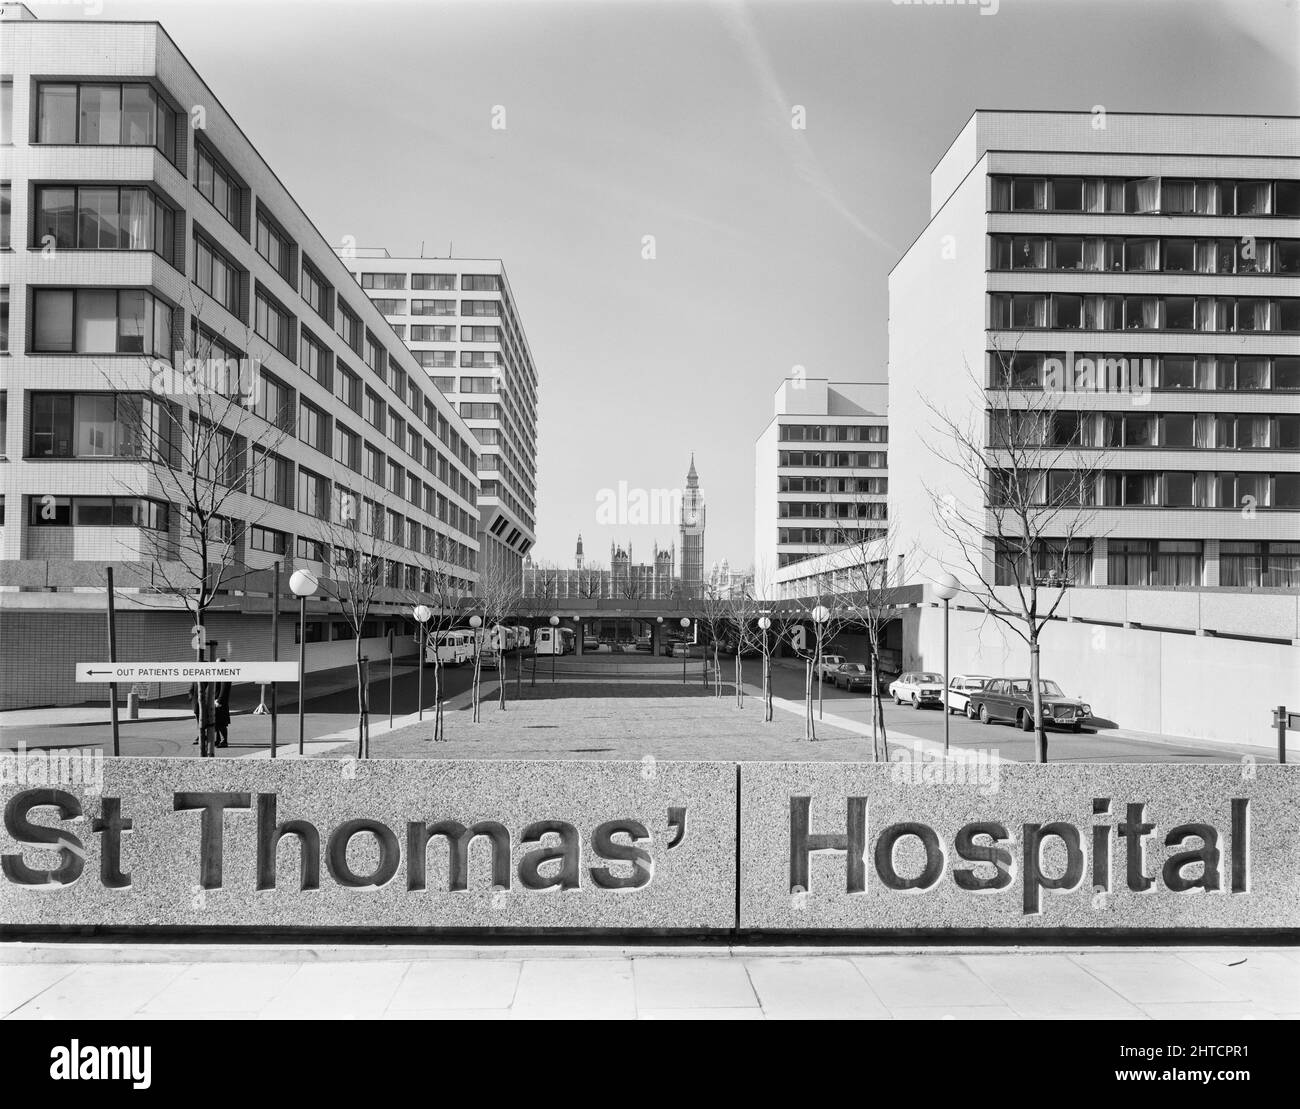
x=274, y=402
x=100, y=321
x=433, y=333
x=349, y=327
x=480, y=334
x=481, y=283
x=272, y=478
x=313, y=494
x=220, y=188
x=273, y=323
x=6, y=195
x=217, y=275
x=347, y=388
x=383, y=281
x=433, y=307
x=390, y=306
x=315, y=359
x=6, y=112
x=275, y=246
x=436, y=359
x=317, y=292
x=375, y=411
x=268, y=540
x=480, y=308
x=347, y=447
x=313, y=426
x=434, y=281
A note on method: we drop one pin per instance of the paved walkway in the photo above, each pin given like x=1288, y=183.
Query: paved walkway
x=174, y=981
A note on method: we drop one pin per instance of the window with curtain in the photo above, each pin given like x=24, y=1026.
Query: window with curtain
x=1028, y=194
x=1067, y=194
x=1129, y=562
x=1143, y=195
x=1028, y=310
x=1207, y=255
x=1252, y=314
x=1179, y=490
x=1141, y=313
x=1067, y=310
x=1177, y=564
x=1028, y=253
x=1283, y=570
x=1209, y=317
x=1067, y=254
x=1203, y=431
x=1000, y=194
x=1252, y=373
x=1252, y=432
x=1142, y=255
x=1180, y=313
x=1252, y=198
x=1094, y=254
x=1177, y=373
x=1286, y=491
x=1208, y=198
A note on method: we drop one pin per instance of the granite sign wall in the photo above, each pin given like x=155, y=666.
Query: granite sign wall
x=380, y=843
x=609, y=846
x=858, y=848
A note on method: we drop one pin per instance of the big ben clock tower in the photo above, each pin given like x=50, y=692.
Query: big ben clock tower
x=692, y=534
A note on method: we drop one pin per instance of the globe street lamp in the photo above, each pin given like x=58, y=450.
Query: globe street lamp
x=820, y=615
x=555, y=623
x=765, y=622
x=686, y=623
x=946, y=587
x=302, y=584
x=422, y=614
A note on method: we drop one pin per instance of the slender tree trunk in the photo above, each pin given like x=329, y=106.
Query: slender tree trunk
x=809, y=728
x=740, y=677
x=501, y=680
x=875, y=707
x=437, y=697
x=361, y=700
x=1036, y=692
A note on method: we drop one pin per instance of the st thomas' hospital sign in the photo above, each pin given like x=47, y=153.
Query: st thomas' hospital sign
x=660, y=847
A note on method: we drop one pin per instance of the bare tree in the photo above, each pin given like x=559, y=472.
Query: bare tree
x=743, y=614
x=499, y=597
x=205, y=436
x=867, y=562
x=1034, y=468
x=540, y=599
x=359, y=570
x=441, y=590
x=715, y=618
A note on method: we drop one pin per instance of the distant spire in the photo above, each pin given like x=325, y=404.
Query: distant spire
x=692, y=478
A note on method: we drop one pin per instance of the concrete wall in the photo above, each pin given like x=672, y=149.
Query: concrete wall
x=38, y=650
x=1170, y=683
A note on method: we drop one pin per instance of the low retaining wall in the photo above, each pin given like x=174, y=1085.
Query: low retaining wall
x=614, y=847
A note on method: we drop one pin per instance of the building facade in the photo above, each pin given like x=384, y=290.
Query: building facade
x=1141, y=280
x=821, y=476
x=624, y=579
x=149, y=242
x=460, y=320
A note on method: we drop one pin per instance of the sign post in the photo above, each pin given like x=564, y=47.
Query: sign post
x=1284, y=721
x=112, y=657
x=390, y=678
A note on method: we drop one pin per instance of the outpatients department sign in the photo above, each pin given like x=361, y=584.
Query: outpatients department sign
x=390, y=844
x=843, y=847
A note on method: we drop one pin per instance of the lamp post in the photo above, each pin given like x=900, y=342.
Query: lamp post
x=765, y=622
x=422, y=614
x=555, y=623
x=302, y=584
x=476, y=622
x=686, y=623
x=658, y=635
x=946, y=587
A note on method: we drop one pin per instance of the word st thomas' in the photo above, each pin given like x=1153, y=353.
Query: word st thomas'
x=1194, y=860
x=555, y=845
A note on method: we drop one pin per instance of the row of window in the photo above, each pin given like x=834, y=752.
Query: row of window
x=100, y=321
x=99, y=217
x=1145, y=489
x=877, y=485
x=398, y=306
x=834, y=433
x=470, y=282
x=1144, y=195
x=105, y=114
x=832, y=510
x=100, y=512
x=871, y=460
x=1168, y=430
x=1144, y=255
x=1063, y=371
x=1115, y=312
x=1154, y=563
x=828, y=537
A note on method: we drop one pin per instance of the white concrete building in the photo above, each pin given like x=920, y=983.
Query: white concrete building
x=142, y=228
x=1147, y=269
x=821, y=476
x=460, y=319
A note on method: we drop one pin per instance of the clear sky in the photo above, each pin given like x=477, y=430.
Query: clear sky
x=673, y=119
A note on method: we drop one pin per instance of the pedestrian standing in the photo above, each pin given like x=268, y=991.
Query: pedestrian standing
x=221, y=712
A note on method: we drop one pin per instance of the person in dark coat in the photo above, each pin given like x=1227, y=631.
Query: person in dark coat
x=221, y=711
x=196, y=707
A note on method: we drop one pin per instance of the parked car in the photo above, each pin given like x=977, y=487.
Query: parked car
x=681, y=649
x=920, y=687
x=829, y=664
x=961, y=687
x=1011, y=699
x=851, y=676
x=590, y=643
x=643, y=643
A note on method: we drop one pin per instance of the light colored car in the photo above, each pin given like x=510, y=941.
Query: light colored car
x=920, y=687
x=829, y=664
x=961, y=687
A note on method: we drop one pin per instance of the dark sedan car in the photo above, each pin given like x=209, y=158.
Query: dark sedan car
x=1011, y=699
x=851, y=676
